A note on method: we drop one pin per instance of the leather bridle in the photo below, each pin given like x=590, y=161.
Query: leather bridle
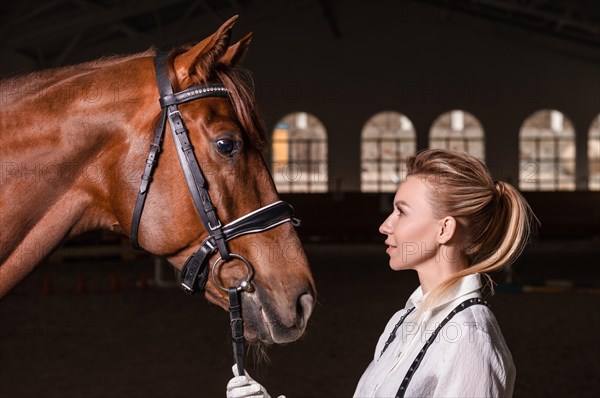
x=194, y=273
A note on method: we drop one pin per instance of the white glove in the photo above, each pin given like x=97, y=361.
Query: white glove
x=245, y=387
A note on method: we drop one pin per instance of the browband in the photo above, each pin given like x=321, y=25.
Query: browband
x=193, y=93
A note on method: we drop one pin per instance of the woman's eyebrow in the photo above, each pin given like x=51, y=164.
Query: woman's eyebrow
x=399, y=203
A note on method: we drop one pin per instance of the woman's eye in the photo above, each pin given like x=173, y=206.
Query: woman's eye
x=225, y=146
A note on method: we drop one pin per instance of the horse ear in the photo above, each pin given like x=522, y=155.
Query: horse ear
x=235, y=53
x=196, y=63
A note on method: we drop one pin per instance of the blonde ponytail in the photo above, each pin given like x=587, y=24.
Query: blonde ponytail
x=496, y=220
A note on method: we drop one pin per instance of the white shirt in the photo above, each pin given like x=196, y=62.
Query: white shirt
x=469, y=357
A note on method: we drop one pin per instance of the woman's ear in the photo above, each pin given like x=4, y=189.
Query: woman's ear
x=447, y=230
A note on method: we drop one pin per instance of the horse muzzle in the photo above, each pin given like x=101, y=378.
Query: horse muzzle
x=276, y=319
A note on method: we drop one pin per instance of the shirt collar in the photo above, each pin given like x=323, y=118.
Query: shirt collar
x=415, y=299
x=466, y=285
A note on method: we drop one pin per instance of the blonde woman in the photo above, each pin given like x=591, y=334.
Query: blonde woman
x=453, y=225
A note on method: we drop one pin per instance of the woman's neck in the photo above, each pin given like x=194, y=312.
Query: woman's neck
x=448, y=261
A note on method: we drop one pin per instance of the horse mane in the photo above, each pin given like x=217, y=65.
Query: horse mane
x=240, y=85
x=48, y=77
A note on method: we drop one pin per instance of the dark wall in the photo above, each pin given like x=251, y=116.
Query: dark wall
x=355, y=217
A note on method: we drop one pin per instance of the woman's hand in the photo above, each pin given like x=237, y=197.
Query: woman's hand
x=245, y=386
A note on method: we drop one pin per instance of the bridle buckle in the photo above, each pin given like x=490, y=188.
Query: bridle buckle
x=172, y=112
x=216, y=226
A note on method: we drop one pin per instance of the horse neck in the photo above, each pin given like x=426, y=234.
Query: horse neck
x=65, y=137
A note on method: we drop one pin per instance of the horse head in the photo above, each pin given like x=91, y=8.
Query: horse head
x=227, y=135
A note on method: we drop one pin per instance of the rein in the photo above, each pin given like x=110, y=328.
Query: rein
x=195, y=271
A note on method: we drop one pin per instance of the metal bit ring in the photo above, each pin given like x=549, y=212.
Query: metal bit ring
x=244, y=285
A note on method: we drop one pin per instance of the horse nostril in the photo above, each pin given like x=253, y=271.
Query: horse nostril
x=304, y=306
x=299, y=309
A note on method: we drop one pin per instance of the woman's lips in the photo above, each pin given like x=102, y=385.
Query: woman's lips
x=390, y=249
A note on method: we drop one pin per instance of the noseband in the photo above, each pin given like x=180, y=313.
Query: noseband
x=195, y=271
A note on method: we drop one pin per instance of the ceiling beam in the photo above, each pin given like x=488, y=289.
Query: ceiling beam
x=331, y=18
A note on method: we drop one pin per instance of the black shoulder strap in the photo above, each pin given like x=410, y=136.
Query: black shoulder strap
x=413, y=368
x=393, y=333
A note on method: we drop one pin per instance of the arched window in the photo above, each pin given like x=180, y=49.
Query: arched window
x=547, y=152
x=300, y=154
x=388, y=138
x=460, y=131
x=594, y=155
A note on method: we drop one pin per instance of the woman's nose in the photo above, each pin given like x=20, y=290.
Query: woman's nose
x=386, y=227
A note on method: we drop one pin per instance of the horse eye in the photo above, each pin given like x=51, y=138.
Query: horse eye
x=225, y=146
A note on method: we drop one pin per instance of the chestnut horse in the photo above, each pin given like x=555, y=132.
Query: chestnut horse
x=73, y=144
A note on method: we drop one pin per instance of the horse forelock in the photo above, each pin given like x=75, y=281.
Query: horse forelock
x=241, y=91
x=240, y=85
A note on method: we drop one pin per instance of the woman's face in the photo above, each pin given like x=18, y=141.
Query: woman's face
x=411, y=229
